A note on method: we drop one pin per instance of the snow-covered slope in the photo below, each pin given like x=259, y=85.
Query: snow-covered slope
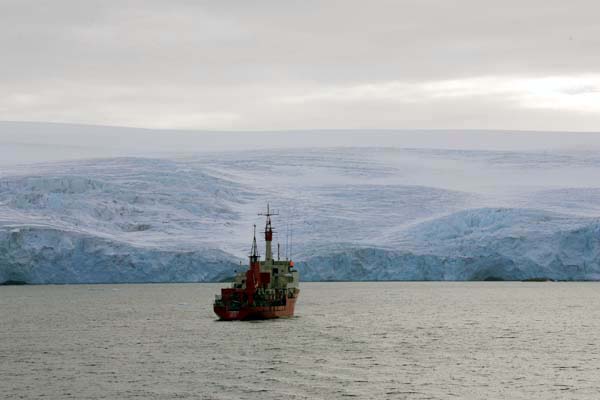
x=355, y=213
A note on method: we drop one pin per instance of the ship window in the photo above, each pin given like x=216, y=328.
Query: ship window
x=275, y=271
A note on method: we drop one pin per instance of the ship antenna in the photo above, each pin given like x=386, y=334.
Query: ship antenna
x=268, y=232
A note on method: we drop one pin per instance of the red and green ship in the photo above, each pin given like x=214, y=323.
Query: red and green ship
x=268, y=289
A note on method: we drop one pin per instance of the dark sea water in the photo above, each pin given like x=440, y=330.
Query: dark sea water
x=488, y=340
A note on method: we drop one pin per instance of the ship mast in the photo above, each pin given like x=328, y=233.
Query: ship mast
x=253, y=274
x=254, y=251
x=268, y=233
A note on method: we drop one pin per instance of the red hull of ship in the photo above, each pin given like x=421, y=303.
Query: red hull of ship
x=249, y=313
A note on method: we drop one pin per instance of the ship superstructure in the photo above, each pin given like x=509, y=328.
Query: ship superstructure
x=268, y=289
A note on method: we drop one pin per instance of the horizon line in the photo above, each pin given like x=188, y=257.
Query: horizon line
x=275, y=130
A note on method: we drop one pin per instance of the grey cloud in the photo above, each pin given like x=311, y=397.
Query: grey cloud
x=220, y=64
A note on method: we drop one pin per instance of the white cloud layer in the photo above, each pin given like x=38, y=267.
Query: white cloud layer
x=567, y=93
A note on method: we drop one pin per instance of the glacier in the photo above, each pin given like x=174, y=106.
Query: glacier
x=481, y=244
x=368, y=213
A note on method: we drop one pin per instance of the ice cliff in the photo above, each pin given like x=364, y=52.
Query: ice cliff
x=505, y=244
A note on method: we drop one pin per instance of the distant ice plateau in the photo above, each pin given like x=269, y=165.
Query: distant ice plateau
x=364, y=213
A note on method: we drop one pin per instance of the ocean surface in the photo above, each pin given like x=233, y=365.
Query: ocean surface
x=396, y=340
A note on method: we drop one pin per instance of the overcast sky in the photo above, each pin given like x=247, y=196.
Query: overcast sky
x=511, y=64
